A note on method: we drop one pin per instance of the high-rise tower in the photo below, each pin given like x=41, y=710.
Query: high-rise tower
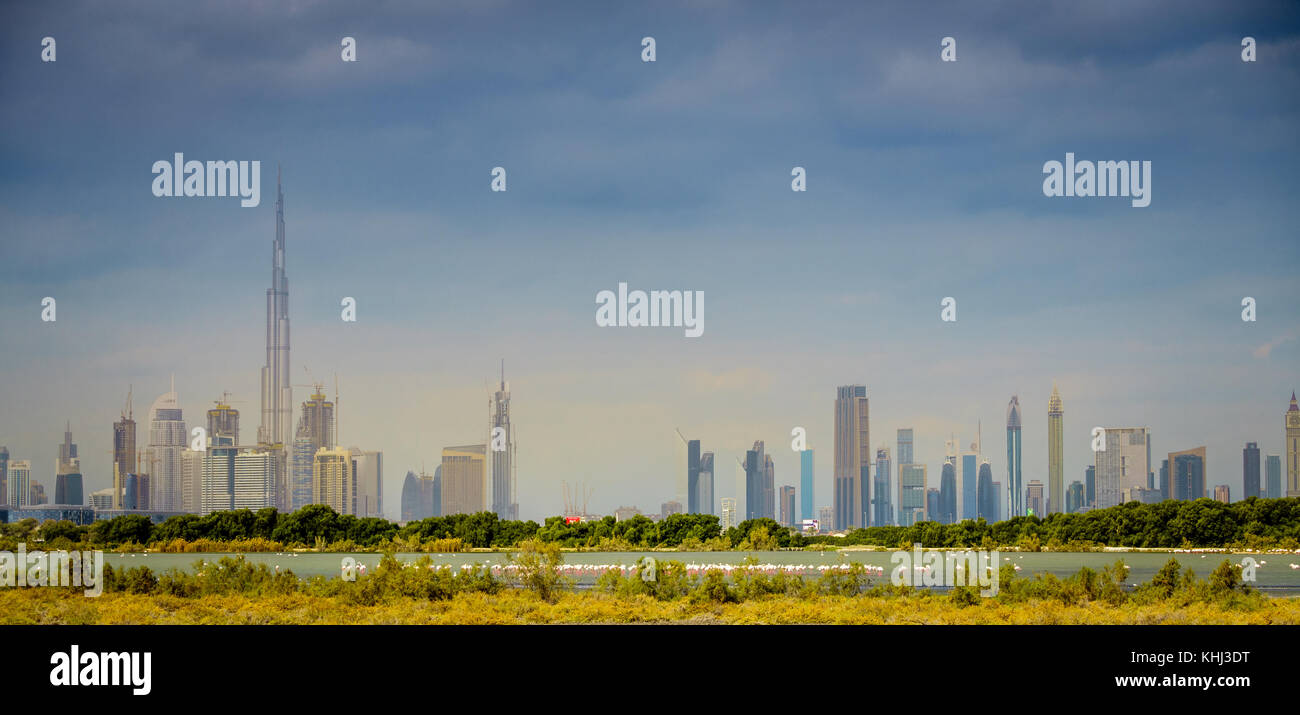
x=275, y=431
x=167, y=442
x=1055, y=448
x=1015, y=489
x=124, y=454
x=501, y=441
x=1293, y=448
x=852, y=452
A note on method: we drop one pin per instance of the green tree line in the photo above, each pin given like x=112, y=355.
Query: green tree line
x=1252, y=523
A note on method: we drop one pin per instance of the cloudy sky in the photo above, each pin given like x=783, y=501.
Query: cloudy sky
x=924, y=181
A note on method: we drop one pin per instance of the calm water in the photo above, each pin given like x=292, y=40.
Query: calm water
x=1274, y=572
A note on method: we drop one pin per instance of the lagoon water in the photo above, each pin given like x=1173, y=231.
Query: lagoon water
x=1273, y=573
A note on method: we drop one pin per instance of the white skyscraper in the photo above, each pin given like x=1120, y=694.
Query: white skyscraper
x=167, y=442
x=1122, y=465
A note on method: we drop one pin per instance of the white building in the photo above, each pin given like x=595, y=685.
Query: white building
x=370, y=482
x=167, y=442
x=1123, y=465
x=20, y=482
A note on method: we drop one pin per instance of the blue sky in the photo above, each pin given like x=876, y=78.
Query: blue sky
x=924, y=181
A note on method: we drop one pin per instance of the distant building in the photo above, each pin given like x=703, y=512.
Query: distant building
x=806, y=484
x=1074, y=497
x=1164, y=485
x=1123, y=464
x=464, y=475
x=755, y=482
x=1273, y=472
x=1015, y=485
x=787, y=506
x=1187, y=474
x=825, y=518
x=370, y=482
x=1250, y=471
x=669, y=508
x=948, y=492
x=67, y=473
x=1141, y=495
x=1002, y=501
x=502, y=466
x=881, y=505
x=1292, y=447
x=420, y=496
x=254, y=479
x=334, y=480
x=316, y=430
x=1221, y=493
x=969, y=492
x=623, y=513
x=1055, y=450
x=79, y=515
x=168, y=439
x=37, y=496
x=4, y=476
x=1034, y=499
x=728, y=515
x=124, y=452
x=704, y=481
x=912, y=488
x=987, y=494
x=933, y=505
x=102, y=499
x=1090, y=485
x=852, y=451
x=20, y=483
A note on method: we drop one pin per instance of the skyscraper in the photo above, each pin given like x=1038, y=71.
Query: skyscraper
x=933, y=504
x=1188, y=476
x=275, y=431
x=969, y=491
x=852, y=450
x=20, y=482
x=912, y=486
x=4, y=476
x=987, y=494
x=806, y=485
x=370, y=482
x=224, y=419
x=167, y=442
x=1090, y=485
x=316, y=431
x=755, y=472
x=1222, y=493
x=1055, y=450
x=218, y=481
x=464, y=472
x=67, y=473
x=704, y=495
x=502, y=442
x=769, y=487
x=1015, y=490
x=881, y=503
x=1034, y=498
x=948, y=495
x=254, y=479
x=124, y=454
x=692, y=476
x=728, y=516
x=334, y=480
x=1121, y=465
x=1074, y=497
x=787, y=506
x=1273, y=476
x=1293, y=448
x=1250, y=471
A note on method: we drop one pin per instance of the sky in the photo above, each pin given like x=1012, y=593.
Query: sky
x=924, y=181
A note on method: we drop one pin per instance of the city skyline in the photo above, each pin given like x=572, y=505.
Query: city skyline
x=675, y=175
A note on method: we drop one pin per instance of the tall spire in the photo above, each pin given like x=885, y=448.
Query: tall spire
x=276, y=426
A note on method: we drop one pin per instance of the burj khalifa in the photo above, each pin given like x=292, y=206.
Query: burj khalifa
x=275, y=431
